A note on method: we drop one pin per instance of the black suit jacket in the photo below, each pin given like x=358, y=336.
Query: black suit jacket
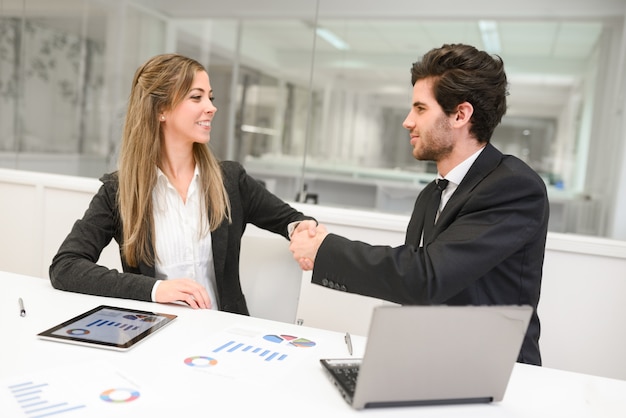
x=487, y=248
x=74, y=267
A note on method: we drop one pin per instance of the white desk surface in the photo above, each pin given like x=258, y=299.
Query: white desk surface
x=157, y=370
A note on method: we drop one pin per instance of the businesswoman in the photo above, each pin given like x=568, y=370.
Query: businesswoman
x=176, y=212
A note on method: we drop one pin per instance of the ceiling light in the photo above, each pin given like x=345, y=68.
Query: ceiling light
x=489, y=33
x=332, y=39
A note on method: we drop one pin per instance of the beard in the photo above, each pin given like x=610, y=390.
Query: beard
x=435, y=143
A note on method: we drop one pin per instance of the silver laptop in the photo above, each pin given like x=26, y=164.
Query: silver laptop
x=429, y=355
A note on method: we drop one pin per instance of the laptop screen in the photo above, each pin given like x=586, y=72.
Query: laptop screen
x=438, y=355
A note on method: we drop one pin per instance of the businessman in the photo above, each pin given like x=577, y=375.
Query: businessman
x=483, y=243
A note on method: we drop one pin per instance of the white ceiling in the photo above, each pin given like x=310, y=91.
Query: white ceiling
x=450, y=9
x=546, y=45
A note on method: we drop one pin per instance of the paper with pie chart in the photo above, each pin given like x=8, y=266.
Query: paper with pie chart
x=70, y=391
x=240, y=352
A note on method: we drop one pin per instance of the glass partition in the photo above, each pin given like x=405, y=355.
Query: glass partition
x=51, y=84
x=311, y=106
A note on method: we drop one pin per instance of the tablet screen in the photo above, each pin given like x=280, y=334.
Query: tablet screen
x=108, y=327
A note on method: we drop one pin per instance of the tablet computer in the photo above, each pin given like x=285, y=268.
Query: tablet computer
x=108, y=327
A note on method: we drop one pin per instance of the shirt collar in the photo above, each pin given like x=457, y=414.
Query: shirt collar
x=161, y=174
x=457, y=174
x=163, y=181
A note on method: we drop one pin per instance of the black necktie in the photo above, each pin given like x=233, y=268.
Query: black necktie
x=433, y=208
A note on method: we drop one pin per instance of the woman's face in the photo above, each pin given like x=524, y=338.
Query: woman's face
x=190, y=120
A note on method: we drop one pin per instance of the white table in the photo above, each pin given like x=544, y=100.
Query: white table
x=299, y=388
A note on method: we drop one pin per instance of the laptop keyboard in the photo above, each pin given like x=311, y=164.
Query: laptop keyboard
x=347, y=374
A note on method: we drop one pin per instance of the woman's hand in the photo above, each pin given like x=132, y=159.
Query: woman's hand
x=183, y=290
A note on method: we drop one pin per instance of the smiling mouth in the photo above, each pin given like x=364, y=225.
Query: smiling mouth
x=205, y=123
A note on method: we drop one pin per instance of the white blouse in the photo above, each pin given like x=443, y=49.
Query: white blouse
x=182, y=249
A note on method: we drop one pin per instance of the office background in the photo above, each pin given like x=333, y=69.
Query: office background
x=312, y=94
x=295, y=109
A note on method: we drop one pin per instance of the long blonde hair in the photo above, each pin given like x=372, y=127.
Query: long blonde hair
x=159, y=85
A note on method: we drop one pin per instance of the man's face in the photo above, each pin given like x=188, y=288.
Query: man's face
x=428, y=126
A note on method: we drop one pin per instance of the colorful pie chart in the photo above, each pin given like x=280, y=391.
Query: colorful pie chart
x=77, y=331
x=200, y=361
x=117, y=395
x=290, y=339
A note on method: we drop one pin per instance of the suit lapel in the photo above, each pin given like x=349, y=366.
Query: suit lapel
x=219, y=239
x=487, y=161
x=145, y=269
x=416, y=223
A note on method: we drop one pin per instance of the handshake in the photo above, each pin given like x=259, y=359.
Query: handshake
x=305, y=241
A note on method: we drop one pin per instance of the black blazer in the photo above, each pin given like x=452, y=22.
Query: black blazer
x=487, y=248
x=74, y=267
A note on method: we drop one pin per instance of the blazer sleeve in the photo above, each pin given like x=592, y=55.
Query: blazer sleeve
x=260, y=207
x=497, y=229
x=75, y=268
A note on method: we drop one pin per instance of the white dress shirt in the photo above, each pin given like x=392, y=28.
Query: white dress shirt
x=182, y=249
x=454, y=177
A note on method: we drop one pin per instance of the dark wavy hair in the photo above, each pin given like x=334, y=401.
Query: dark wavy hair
x=462, y=73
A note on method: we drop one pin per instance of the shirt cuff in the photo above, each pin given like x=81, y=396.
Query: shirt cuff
x=292, y=227
x=154, y=288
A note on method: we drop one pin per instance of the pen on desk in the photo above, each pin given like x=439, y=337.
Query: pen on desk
x=348, y=342
x=22, y=310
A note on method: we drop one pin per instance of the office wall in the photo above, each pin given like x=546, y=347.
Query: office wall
x=114, y=37
x=582, y=312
